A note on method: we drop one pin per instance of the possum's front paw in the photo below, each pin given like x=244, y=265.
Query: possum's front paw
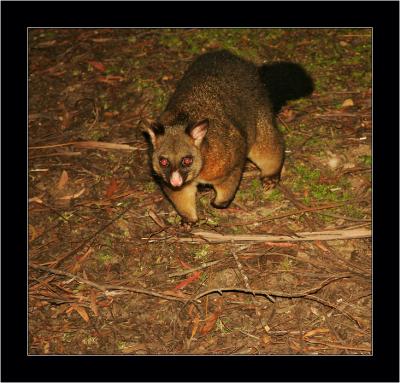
x=270, y=182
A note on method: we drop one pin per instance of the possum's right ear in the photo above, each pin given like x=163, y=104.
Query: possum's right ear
x=154, y=129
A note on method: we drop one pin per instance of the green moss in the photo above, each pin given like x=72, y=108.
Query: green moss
x=287, y=264
x=253, y=192
x=202, y=253
x=170, y=41
x=274, y=195
x=150, y=187
x=105, y=257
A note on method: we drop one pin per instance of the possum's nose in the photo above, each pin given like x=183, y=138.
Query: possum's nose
x=176, y=179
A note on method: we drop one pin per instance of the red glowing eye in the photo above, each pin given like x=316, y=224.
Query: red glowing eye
x=186, y=161
x=164, y=162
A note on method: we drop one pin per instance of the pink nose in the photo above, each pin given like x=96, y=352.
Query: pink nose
x=176, y=179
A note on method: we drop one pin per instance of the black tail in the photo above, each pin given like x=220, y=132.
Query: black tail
x=285, y=81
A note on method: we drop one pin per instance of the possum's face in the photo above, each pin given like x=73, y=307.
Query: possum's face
x=176, y=152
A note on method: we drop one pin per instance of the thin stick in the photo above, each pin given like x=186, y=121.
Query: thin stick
x=90, y=145
x=188, y=271
x=340, y=346
x=71, y=154
x=328, y=235
x=281, y=294
x=331, y=305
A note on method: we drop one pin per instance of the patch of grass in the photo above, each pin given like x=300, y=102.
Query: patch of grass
x=253, y=192
x=274, y=195
x=212, y=221
x=170, y=41
x=160, y=97
x=90, y=340
x=150, y=187
x=174, y=219
x=307, y=180
x=287, y=264
x=307, y=174
x=353, y=211
x=121, y=345
x=220, y=326
x=202, y=253
x=238, y=230
x=105, y=257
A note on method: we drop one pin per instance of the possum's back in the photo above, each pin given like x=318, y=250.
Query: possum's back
x=218, y=82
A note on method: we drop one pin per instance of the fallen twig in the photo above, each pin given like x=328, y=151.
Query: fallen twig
x=281, y=294
x=188, y=271
x=70, y=154
x=91, y=145
x=108, y=288
x=328, y=235
x=331, y=305
x=340, y=346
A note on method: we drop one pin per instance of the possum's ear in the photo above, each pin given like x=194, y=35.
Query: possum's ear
x=198, y=131
x=154, y=130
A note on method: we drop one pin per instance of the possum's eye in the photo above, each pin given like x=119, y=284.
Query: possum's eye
x=164, y=162
x=187, y=161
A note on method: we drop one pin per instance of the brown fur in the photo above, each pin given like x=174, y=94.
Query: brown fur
x=219, y=116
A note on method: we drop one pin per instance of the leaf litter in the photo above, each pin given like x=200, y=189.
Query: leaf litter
x=111, y=270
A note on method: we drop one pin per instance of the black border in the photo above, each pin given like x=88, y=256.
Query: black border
x=382, y=16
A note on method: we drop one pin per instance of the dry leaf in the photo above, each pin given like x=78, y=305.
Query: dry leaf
x=156, y=218
x=266, y=339
x=93, y=304
x=97, y=65
x=196, y=322
x=316, y=331
x=32, y=232
x=82, y=312
x=280, y=244
x=85, y=256
x=131, y=348
x=347, y=102
x=184, y=264
x=63, y=180
x=111, y=80
x=288, y=115
x=112, y=188
x=72, y=196
x=321, y=246
x=35, y=199
x=295, y=346
x=192, y=278
x=210, y=323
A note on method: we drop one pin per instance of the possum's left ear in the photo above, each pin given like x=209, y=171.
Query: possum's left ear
x=154, y=129
x=198, y=131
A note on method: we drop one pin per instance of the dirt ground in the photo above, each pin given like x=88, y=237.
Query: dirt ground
x=111, y=271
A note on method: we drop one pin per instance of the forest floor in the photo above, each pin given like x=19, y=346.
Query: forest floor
x=111, y=271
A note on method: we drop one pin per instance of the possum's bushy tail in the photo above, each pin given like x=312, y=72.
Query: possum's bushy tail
x=285, y=81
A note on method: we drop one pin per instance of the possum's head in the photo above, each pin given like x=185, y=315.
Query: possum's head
x=176, y=151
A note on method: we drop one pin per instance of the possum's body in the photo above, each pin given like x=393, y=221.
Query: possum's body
x=220, y=114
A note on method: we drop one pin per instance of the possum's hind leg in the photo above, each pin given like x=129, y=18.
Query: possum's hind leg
x=268, y=152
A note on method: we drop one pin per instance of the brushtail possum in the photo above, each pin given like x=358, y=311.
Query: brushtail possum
x=222, y=113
